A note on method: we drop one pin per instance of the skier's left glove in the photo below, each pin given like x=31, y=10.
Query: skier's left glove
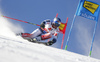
x=51, y=42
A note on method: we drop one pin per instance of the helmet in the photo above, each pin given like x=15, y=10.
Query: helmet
x=56, y=21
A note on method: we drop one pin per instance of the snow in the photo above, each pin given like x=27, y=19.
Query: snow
x=20, y=50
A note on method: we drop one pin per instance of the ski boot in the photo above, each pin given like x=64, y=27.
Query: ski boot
x=49, y=43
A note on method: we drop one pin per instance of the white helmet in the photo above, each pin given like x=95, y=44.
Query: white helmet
x=56, y=21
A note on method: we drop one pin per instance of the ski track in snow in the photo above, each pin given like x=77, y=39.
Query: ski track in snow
x=20, y=50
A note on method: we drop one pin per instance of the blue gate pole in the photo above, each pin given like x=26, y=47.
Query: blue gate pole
x=93, y=38
x=70, y=32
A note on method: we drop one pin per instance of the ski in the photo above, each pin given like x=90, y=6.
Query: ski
x=39, y=42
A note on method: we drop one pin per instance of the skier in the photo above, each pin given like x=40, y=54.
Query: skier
x=47, y=30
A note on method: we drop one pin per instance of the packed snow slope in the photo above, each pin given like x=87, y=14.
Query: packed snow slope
x=20, y=50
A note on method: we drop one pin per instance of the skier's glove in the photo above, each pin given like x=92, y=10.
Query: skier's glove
x=42, y=25
x=51, y=42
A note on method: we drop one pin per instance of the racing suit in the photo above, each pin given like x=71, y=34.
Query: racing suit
x=45, y=31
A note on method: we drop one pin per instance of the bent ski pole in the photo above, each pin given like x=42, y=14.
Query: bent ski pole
x=20, y=20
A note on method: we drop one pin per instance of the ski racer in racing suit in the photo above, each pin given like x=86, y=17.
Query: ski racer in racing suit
x=47, y=30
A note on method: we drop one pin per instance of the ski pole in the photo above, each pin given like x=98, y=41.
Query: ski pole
x=20, y=20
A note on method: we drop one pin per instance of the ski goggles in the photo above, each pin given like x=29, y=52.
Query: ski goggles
x=57, y=24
